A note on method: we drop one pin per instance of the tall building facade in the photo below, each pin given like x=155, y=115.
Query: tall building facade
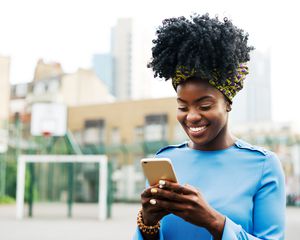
x=5, y=89
x=131, y=50
x=253, y=103
x=103, y=67
x=121, y=45
x=4, y=106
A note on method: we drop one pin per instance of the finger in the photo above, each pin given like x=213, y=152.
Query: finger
x=175, y=187
x=153, y=190
x=149, y=203
x=167, y=195
x=150, y=206
x=148, y=196
x=148, y=192
x=152, y=201
x=172, y=207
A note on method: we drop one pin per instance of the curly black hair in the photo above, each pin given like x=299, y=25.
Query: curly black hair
x=201, y=43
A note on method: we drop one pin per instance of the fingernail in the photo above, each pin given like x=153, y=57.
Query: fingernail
x=160, y=186
x=153, y=201
x=162, y=182
x=153, y=190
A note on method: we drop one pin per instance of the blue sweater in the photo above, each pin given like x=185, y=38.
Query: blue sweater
x=245, y=183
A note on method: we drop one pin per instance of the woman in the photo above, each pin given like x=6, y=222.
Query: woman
x=232, y=189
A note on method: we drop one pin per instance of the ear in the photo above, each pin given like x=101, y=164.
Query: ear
x=228, y=106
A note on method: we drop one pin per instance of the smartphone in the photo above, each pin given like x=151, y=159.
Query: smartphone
x=156, y=169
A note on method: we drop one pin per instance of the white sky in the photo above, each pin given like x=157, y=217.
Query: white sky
x=70, y=32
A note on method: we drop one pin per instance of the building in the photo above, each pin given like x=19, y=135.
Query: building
x=126, y=122
x=121, y=50
x=103, y=67
x=4, y=105
x=253, y=103
x=75, y=89
x=47, y=70
x=5, y=89
x=131, y=50
x=142, y=79
x=84, y=87
x=51, y=84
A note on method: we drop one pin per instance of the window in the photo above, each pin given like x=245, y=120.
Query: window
x=53, y=86
x=39, y=88
x=21, y=90
x=156, y=127
x=94, y=132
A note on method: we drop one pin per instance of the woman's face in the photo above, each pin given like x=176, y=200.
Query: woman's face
x=203, y=113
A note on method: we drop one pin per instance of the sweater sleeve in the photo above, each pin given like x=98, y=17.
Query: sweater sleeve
x=269, y=207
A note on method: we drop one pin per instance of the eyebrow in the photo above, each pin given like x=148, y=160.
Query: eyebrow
x=197, y=100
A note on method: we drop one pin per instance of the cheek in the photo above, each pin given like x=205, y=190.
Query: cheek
x=222, y=116
x=180, y=116
x=219, y=115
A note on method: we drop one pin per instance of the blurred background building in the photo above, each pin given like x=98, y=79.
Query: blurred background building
x=103, y=66
x=121, y=50
x=5, y=89
x=124, y=69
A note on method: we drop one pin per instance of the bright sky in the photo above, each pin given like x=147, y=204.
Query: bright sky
x=70, y=32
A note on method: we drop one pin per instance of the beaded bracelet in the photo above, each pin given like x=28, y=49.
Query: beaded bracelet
x=147, y=229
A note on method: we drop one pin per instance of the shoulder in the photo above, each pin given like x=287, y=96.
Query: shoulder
x=241, y=144
x=270, y=159
x=170, y=148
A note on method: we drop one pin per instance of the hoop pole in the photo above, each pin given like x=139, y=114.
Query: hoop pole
x=31, y=189
x=20, y=187
x=103, y=190
x=70, y=188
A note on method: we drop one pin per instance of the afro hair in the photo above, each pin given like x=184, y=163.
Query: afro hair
x=200, y=43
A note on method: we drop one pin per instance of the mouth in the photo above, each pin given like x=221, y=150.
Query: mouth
x=196, y=131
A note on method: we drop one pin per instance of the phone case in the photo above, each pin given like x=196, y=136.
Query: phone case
x=156, y=169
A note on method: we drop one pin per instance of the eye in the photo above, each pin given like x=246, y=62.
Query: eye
x=205, y=107
x=182, y=108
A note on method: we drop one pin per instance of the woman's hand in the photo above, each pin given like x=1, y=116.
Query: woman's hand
x=187, y=203
x=151, y=213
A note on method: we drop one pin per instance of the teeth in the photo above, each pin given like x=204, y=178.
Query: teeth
x=197, y=129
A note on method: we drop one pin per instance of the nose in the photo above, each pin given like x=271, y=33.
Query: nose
x=193, y=116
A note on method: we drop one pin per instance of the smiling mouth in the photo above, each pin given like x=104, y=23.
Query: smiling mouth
x=197, y=129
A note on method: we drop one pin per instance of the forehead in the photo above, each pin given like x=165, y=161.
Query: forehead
x=195, y=88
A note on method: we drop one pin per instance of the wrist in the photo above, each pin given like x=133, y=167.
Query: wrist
x=149, y=221
x=147, y=227
x=216, y=225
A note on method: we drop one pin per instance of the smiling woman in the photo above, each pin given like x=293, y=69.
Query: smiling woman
x=228, y=189
x=203, y=113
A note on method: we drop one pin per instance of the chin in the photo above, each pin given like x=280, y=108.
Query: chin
x=199, y=142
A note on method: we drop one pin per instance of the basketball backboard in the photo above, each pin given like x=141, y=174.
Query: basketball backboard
x=48, y=119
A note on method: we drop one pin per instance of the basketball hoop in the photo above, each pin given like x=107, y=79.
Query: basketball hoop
x=47, y=134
